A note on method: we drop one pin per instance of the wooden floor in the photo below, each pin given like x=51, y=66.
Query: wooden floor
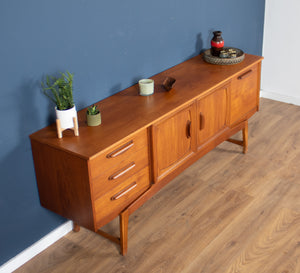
x=228, y=212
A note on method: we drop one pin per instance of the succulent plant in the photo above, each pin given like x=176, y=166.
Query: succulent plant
x=93, y=110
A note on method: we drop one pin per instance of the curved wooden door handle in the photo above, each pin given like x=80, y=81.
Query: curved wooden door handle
x=188, y=129
x=202, y=121
x=122, y=171
x=124, y=191
x=245, y=75
x=121, y=150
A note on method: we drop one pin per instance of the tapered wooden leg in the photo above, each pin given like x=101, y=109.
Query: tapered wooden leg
x=58, y=127
x=76, y=227
x=243, y=142
x=245, y=138
x=124, y=217
x=123, y=240
x=76, y=131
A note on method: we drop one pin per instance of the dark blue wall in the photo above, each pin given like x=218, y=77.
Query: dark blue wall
x=109, y=45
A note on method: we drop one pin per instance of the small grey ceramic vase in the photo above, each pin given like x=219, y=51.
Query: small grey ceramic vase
x=93, y=120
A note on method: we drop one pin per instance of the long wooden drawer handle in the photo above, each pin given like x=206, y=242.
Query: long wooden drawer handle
x=124, y=191
x=188, y=129
x=121, y=150
x=202, y=121
x=122, y=171
x=245, y=75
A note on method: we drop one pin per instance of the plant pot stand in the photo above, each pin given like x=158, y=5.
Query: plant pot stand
x=60, y=130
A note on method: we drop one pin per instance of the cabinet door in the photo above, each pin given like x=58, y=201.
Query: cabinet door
x=244, y=94
x=211, y=114
x=173, y=141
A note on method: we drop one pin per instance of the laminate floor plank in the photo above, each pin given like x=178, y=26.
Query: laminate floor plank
x=207, y=224
x=228, y=212
x=273, y=242
x=243, y=229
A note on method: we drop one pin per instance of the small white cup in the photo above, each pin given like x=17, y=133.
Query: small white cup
x=146, y=87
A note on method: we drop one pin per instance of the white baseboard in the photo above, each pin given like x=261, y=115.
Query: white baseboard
x=36, y=248
x=280, y=97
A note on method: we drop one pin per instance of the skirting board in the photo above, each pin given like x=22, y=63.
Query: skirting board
x=36, y=248
x=280, y=97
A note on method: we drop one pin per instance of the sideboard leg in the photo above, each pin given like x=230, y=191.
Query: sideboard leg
x=245, y=137
x=124, y=217
x=123, y=240
x=244, y=142
x=76, y=227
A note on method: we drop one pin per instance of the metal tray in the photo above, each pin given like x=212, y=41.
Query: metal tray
x=224, y=61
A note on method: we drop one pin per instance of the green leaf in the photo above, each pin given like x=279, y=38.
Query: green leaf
x=59, y=90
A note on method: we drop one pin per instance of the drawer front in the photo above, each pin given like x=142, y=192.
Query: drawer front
x=244, y=94
x=115, y=201
x=119, y=153
x=112, y=177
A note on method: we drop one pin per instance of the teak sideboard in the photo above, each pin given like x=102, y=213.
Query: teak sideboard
x=143, y=142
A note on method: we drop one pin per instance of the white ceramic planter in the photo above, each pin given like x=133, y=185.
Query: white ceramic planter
x=66, y=117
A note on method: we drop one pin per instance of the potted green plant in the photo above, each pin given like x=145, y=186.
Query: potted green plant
x=93, y=116
x=60, y=91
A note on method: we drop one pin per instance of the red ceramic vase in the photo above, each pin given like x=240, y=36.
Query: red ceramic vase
x=217, y=43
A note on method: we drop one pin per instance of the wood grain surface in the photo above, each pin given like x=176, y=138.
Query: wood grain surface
x=228, y=212
x=127, y=112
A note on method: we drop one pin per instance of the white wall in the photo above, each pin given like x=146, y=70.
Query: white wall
x=281, y=50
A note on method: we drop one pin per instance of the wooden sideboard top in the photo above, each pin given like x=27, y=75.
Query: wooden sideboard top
x=127, y=112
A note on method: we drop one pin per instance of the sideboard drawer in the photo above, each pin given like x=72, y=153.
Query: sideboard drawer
x=119, y=153
x=112, y=177
x=114, y=201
